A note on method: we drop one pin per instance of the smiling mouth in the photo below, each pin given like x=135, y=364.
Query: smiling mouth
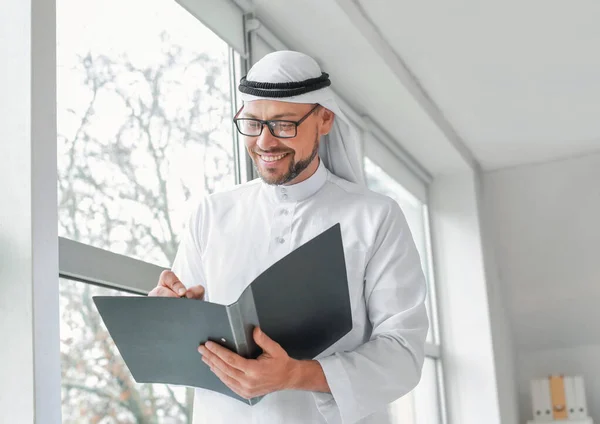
x=272, y=158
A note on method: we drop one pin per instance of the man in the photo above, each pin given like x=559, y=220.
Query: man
x=309, y=163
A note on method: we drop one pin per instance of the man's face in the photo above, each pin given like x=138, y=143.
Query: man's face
x=286, y=160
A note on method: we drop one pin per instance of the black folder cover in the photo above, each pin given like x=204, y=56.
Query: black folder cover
x=301, y=301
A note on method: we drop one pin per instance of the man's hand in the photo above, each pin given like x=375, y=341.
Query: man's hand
x=272, y=371
x=170, y=286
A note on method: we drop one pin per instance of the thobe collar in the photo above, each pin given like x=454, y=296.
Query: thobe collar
x=299, y=191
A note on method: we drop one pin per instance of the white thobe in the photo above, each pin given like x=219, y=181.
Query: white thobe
x=233, y=236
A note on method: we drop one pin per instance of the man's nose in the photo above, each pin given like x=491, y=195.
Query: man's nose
x=266, y=140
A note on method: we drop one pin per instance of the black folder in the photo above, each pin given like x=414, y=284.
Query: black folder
x=301, y=302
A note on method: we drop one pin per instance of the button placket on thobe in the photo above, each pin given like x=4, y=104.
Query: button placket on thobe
x=281, y=228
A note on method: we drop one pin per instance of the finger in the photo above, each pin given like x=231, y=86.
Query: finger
x=160, y=291
x=231, y=383
x=210, y=357
x=214, y=361
x=227, y=356
x=195, y=292
x=169, y=280
x=267, y=344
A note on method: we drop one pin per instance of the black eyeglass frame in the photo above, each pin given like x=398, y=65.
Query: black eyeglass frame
x=269, y=122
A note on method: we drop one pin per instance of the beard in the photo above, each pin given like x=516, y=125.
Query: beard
x=294, y=169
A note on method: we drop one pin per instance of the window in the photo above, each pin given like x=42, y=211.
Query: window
x=424, y=404
x=144, y=123
x=416, y=216
x=144, y=109
x=96, y=384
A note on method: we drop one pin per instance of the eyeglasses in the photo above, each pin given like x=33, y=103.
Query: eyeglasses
x=278, y=128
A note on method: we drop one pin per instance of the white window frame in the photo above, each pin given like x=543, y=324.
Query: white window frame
x=386, y=153
x=398, y=170
x=218, y=16
x=29, y=321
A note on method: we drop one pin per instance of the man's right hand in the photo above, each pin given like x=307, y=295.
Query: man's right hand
x=170, y=286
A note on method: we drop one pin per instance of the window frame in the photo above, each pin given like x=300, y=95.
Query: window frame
x=395, y=166
x=92, y=265
x=28, y=386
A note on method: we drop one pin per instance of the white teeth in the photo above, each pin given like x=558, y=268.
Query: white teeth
x=272, y=158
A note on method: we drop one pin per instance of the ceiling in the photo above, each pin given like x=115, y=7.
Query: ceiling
x=495, y=84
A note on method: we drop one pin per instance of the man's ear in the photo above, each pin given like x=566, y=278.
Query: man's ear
x=326, y=121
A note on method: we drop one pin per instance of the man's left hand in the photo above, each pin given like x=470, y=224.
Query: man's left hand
x=272, y=371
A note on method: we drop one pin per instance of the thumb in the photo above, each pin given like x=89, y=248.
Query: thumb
x=195, y=292
x=267, y=344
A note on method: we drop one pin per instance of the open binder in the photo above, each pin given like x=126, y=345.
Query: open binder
x=302, y=302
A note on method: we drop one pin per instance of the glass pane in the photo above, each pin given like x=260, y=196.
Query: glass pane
x=422, y=405
x=96, y=384
x=414, y=211
x=378, y=180
x=144, y=123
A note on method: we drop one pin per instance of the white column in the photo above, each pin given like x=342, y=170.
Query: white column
x=469, y=311
x=29, y=312
x=500, y=319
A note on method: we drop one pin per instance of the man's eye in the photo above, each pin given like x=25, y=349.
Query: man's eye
x=284, y=127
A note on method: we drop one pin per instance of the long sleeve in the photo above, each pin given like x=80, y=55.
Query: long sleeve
x=389, y=365
x=188, y=260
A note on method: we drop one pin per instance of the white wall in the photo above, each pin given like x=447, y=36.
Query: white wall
x=502, y=332
x=477, y=363
x=546, y=223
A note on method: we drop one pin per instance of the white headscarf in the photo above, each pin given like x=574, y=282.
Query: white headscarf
x=340, y=149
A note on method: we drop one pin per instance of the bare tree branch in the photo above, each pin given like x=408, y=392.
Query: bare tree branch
x=109, y=200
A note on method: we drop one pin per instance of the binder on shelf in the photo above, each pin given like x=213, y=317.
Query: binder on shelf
x=571, y=401
x=545, y=399
x=302, y=302
x=540, y=399
x=581, y=403
x=535, y=400
x=557, y=392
